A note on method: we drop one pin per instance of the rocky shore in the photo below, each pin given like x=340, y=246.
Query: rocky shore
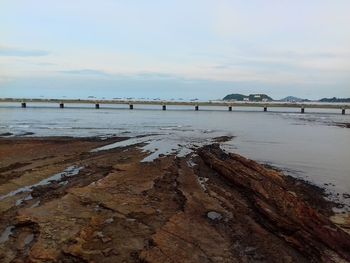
x=61, y=201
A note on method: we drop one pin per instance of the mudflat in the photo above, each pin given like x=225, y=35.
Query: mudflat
x=60, y=201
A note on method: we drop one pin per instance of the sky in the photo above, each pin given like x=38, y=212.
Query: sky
x=174, y=49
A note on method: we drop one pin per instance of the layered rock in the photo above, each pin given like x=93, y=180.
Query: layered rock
x=279, y=209
x=210, y=207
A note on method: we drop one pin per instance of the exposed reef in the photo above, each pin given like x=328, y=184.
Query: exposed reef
x=108, y=206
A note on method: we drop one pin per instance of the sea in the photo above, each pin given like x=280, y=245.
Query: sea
x=314, y=146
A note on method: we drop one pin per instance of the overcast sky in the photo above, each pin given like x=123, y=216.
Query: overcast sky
x=174, y=49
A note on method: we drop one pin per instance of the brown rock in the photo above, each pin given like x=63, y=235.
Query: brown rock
x=162, y=211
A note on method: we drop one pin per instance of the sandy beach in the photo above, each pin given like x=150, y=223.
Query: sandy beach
x=61, y=200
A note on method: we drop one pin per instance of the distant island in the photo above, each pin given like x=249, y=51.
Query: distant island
x=294, y=99
x=334, y=99
x=250, y=97
x=266, y=98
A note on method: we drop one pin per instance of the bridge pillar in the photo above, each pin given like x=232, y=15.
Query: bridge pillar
x=164, y=107
x=97, y=106
x=23, y=104
x=61, y=105
x=131, y=106
x=302, y=110
x=229, y=108
x=343, y=111
x=265, y=108
x=196, y=107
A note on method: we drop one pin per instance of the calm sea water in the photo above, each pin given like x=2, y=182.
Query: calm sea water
x=308, y=145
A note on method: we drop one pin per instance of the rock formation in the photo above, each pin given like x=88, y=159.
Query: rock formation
x=210, y=206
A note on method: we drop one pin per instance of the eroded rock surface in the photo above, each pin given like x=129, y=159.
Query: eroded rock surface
x=207, y=207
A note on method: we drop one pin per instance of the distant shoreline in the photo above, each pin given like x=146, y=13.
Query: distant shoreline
x=321, y=105
x=291, y=99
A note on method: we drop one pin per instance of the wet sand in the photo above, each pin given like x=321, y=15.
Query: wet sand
x=61, y=201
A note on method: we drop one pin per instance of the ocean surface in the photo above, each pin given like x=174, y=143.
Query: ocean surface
x=310, y=146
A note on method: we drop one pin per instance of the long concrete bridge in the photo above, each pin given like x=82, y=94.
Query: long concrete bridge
x=196, y=105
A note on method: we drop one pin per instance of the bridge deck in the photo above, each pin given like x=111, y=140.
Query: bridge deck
x=187, y=103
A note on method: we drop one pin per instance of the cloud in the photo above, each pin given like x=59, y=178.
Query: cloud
x=134, y=75
x=91, y=72
x=45, y=64
x=155, y=75
x=20, y=52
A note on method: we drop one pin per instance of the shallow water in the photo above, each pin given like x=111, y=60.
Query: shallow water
x=70, y=171
x=5, y=235
x=306, y=145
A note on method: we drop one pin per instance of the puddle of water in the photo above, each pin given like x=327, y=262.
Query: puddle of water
x=202, y=181
x=28, y=239
x=36, y=204
x=5, y=235
x=162, y=144
x=191, y=163
x=124, y=143
x=70, y=171
x=26, y=198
